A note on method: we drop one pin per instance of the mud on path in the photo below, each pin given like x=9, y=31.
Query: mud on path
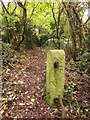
x=24, y=89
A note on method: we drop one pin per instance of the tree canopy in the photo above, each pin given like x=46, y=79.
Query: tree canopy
x=40, y=24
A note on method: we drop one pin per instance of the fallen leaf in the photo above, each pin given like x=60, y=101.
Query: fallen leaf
x=32, y=99
x=27, y=103
x=26, y=92
x=28, y=96
x=5, y=107
x=2, y=111
x=14, y=82
x=26, y=109
x=13, y=107
x=21, y=104
x=10, y=92
x=41, y=108
x=20, y=82
x=6, y=114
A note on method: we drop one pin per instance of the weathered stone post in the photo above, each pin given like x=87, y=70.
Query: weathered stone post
x=55, y=76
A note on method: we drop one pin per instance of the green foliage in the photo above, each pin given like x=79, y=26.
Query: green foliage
x=9, y=55
x=5, y=48
x=70, y=89
x=9, y=21
x=31, y=38
x=39, y=26
x=84, y=61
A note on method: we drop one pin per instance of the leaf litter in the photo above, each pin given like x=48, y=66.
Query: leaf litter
x=24, y=90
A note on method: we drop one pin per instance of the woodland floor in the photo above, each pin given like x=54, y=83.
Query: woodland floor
x=24, y=88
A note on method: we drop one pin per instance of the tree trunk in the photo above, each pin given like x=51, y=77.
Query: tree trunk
x=72, y=28
x=23, y=23
x=80, y=26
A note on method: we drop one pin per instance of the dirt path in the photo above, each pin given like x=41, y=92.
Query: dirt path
x=24, y=89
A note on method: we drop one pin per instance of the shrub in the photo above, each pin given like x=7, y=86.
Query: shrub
x=9, y=55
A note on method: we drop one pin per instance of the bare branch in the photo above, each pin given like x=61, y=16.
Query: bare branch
x=59, y=13
x=4, y=7
x=52, y=7
x=14, y=8
x=86, y=21
x=34, y=9
x=76, y=13
x=21, y=5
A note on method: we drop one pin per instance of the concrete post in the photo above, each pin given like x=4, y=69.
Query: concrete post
x=55, y=76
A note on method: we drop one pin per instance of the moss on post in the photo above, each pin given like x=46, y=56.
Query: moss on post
x=55, y=76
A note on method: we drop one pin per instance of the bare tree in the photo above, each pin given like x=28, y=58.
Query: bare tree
x=57, y=22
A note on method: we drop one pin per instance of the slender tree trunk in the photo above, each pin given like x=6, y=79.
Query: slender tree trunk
x=57, y=23
x=23, y=24
x=80, y=26
x=72, y=27
x=73, y=36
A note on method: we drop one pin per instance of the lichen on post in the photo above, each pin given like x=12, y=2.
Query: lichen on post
x=55, y=76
